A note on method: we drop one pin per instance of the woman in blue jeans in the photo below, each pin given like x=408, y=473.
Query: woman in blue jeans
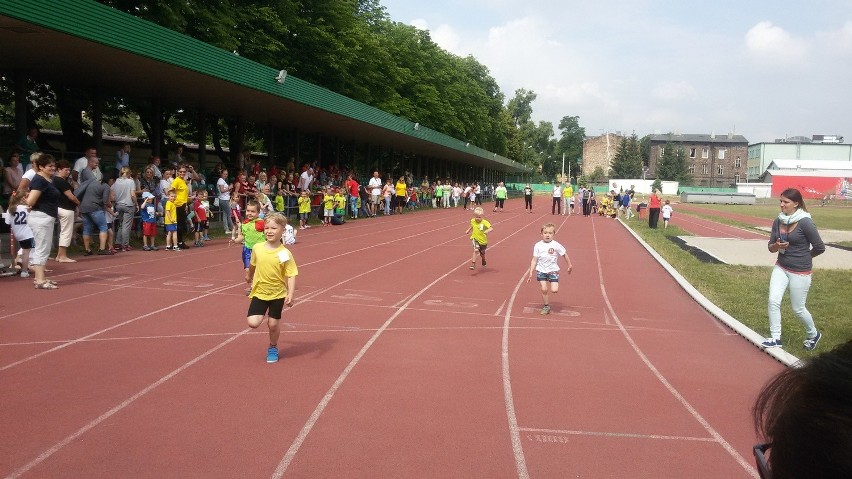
x=795, y=239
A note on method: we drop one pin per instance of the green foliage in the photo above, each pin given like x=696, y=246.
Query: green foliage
x=597, y=175
x=673, y=166
x=570, y=143
x=657, y=185
x=627, y=162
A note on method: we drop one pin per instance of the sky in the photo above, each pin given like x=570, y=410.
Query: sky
x=764, y=69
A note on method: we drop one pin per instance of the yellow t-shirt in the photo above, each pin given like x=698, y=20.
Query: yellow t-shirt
x=272, y=267
x=339, y=201
x=568, y=192
x=170, y=213
x=478, y=230
x=181, y=191
x=401, y=189
x=304, y=204
x=328, y=202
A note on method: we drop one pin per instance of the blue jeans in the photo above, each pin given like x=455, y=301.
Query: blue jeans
x=94, y=219
x=227, y=222
x=387, y=205
x=799, y=285
x=353, y=205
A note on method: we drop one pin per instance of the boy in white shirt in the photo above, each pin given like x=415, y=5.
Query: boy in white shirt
x=545, y=264
x=667, y=214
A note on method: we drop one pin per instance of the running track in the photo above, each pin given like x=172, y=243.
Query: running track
x=398, y=362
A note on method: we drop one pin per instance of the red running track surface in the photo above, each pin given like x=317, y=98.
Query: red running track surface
x=398, y=362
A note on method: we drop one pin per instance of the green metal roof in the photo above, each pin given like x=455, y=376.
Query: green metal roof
x=85, y=43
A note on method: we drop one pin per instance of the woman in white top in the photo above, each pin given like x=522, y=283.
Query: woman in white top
x=223, y=190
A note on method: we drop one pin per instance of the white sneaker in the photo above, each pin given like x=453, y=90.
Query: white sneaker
x=25, y=274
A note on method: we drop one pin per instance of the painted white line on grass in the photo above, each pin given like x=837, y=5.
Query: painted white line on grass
x=674, y=392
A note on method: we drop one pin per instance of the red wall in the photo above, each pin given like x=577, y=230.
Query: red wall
x=812, y=187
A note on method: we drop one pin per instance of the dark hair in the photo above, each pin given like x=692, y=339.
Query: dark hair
x=794, y=195
x=806, y=414
x=63, y=163
x=43, y=160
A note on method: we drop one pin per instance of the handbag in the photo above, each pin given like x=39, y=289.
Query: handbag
x=216, y=202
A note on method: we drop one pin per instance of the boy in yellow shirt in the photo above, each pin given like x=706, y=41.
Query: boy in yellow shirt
x=304, y=202
x=480, y=227
x=170, y=222
x=272, y=274
x=327, y=206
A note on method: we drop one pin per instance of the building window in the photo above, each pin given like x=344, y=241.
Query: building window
x=662, y=150
x=738, y=163
x=721, y=170
x=692, y=152
x=736, y=178
x=704, y=169
x=705, y=153
x=692, y=169
x=721, y=153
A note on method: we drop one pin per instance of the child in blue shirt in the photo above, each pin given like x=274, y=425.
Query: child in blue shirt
x=149, y=222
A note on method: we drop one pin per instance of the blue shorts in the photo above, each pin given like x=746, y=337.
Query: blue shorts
x=246, y=257
x=171, y=227
x=94, y=219
x=552, y=277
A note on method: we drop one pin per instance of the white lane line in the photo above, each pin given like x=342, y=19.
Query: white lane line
x=674, y=392
x=617, y=434
x=103, y=417
x=514, y=432
x=314, y=417
x=114, y=326
x=500, y=309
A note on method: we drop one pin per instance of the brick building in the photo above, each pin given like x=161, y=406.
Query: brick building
x=713, y=160
x=599, y=151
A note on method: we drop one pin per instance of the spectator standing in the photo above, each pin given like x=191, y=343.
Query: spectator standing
x=148, y=214
x=306, y=178
x=68, y=204
x=556, y=207
x=654, y=204
x=94, y=201
x=87, y=167
x=568, y=198
x=126, y=206
x=44, y=203
x=14, y=172
x=122, y=160
x=181, y=199
x=16, y=218
x=27, y=145
x=500, y=194
x=401, y=190
x=528, y=197
x=375, y=185
x=223, y=196
x=794, y=237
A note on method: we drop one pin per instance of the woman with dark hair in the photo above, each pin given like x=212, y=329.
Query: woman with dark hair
x=44, y=201
x=67, y=209
x=805, y=417
x=654, y=206
x=796, y=240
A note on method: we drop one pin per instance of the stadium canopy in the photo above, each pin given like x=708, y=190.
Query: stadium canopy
x=83, y=43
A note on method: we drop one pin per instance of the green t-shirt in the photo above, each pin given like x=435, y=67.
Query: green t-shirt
x=478, y=230
x=251, y=235
x=500, y=192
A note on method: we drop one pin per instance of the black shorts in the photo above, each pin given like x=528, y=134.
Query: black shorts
x=26, y=244
x=259, y=307
x=200, y=226
x=401, y=201
x=479, y=247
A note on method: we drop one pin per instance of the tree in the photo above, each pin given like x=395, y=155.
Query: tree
x=627, y=162
x=520, y=107
x=672, y=165
x=571, y=143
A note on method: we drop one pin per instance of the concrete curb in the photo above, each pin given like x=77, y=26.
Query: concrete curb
x=779, y=354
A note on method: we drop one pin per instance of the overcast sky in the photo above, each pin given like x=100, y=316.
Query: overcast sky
x=765, y=69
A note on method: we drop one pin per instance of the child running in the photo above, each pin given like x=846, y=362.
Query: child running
x=480, y=227
x=667, y=214
x=545, y=264
x=272, y=273
x=251, y=232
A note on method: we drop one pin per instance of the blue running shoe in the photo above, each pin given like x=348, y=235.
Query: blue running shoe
x=811, y=343
x=771, y=343
x=272, y=355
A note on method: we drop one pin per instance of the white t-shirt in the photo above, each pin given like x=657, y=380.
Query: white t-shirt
x=227, y=193
x=166, y=185
x=305, y=180
x=557, y=191
x=81, y=164
x=29, y=175
x=376, y=185
x=667, y=212
x=18, y=222
x=548, y=256
x=289, y=235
